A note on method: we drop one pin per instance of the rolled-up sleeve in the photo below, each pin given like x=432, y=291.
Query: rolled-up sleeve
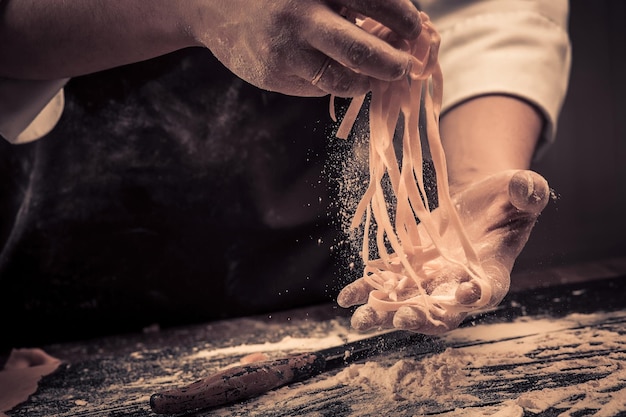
x=29, y=109
x=513, y=47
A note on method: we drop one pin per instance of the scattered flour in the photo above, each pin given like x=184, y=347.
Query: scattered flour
x=532, y=366
x=513, y=353
x=335, y=337
x=436, y=376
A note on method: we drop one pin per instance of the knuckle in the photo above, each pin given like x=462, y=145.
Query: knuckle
x=342, y=83
x=389, y=65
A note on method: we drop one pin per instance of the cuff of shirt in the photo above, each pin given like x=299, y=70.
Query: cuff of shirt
x=29, y=109
x=517, y=48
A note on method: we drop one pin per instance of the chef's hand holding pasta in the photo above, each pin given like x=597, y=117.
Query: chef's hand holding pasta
x=498, y=214
x=427, y=270
x=309, y=47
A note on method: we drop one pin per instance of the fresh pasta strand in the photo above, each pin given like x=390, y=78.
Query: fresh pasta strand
x=412, y=244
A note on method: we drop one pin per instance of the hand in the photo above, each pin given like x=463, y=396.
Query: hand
x=498, y=213
x=307, y=47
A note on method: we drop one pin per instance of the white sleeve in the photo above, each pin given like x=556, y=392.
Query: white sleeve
x=29, y=109
x=513, y=47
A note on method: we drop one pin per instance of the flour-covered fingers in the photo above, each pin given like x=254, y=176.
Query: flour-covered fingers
x=401, y=16
x=342, y=82
x=414, y=319
x=487, y=287
x=355, y=48
x=454, y=281
x=367, y=317
x=326, y=76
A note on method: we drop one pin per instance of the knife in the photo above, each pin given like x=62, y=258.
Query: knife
x=251, y=380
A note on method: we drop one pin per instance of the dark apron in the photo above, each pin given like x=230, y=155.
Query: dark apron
x=170, y=192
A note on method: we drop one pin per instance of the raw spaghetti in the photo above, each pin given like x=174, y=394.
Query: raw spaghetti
x=409, y=256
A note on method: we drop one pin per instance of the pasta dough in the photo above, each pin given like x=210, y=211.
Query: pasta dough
x=412, y=243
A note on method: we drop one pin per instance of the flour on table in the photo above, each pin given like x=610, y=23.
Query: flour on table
x=571, y=347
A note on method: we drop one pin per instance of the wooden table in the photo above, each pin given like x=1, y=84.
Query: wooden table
x=546, y=352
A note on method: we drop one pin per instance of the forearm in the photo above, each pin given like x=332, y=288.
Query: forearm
x=489, y=134
x=509, y=47
x=304, y=48
x=48, y=39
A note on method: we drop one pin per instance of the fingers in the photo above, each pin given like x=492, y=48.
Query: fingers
x=401, y=16
x=367, y=317
x=28, y=357
x=341, y=81
x=354, y=48
x=340, y=58
x=314, y=74
x=485, y=287
x=453, y=294
x=414, y=319
x=314, y=47
x=326, y=76
x=454, y=282
x=363, y=53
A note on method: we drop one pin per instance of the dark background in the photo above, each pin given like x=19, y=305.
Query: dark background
x=587, y=165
